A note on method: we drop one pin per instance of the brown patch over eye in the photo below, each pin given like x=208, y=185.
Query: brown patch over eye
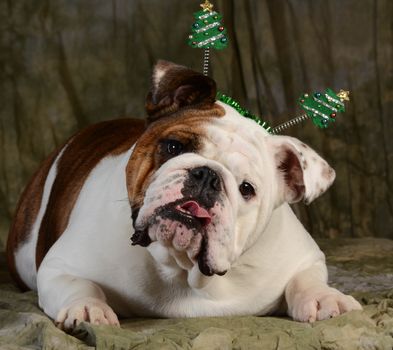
x=175, y=145
x=163, y=140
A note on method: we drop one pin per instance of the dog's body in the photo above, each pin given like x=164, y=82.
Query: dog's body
x=204, y=193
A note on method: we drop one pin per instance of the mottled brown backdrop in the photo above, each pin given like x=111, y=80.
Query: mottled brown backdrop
x=65, y=64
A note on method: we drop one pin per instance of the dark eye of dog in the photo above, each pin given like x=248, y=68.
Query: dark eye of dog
x=246, y=190
x=174, y=147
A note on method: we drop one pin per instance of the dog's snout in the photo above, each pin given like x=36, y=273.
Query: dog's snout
x=206, y=177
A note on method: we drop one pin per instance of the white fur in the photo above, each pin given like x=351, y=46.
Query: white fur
x=269, y=254
x=25, y=255
x=158, y=74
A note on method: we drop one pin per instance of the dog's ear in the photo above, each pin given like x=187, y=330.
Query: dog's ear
x=302, y=174
x=176, y=87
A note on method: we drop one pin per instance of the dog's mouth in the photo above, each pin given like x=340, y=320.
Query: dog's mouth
x=193, y=211
x=189, y=213
x=183, y=224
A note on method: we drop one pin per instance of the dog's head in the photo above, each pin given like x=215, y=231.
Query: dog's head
x=203, y=181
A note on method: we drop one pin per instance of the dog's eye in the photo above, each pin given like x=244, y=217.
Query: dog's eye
x=247, y=190
x=174, y=147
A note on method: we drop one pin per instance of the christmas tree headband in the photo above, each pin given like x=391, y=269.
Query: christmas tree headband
x=208, y=32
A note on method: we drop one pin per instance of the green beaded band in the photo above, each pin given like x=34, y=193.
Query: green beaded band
x=244, y=112
x=318, y=108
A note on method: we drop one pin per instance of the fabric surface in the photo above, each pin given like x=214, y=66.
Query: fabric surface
x=66, y=64
x=362, y=267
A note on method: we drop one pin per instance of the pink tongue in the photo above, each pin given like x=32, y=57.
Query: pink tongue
x=195, y=210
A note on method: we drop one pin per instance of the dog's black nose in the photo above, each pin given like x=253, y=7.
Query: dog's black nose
x=206, y=178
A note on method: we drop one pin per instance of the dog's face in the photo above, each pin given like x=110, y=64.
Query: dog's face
x=203, y=180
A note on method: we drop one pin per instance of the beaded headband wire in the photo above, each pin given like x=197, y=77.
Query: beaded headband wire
x=321, y=107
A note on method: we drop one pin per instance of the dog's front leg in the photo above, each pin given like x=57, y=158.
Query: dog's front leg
x=70, y=300
x=310, y=299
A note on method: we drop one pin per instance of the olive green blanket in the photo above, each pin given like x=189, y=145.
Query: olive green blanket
x=362, y=267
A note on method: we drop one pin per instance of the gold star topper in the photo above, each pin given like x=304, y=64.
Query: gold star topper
x=343, y=95
x=207, y=6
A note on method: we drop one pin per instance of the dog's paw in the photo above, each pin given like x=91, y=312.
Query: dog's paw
x=91, y=310
x=315, y=305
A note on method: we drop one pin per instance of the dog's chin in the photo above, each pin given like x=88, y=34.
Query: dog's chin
x=184, y=235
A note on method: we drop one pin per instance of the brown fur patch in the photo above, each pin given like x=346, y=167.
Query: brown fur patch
x=82, y=154
x=176, y=87
x=80, y=157
x=25, y=215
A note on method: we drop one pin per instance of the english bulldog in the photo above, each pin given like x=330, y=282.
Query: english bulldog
x=204, y=195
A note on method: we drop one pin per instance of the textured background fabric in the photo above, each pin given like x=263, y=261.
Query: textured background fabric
x=65, y=64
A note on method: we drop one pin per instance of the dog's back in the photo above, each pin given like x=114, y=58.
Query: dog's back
x=46, y=204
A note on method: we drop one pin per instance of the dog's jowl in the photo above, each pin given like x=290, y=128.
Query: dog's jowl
x=185, y=214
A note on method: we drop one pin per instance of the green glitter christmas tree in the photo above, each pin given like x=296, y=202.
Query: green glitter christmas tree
x=207, y=32
x=322, y=108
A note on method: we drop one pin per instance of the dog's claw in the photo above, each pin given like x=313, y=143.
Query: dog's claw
x=322, y=305
x=86, y=309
